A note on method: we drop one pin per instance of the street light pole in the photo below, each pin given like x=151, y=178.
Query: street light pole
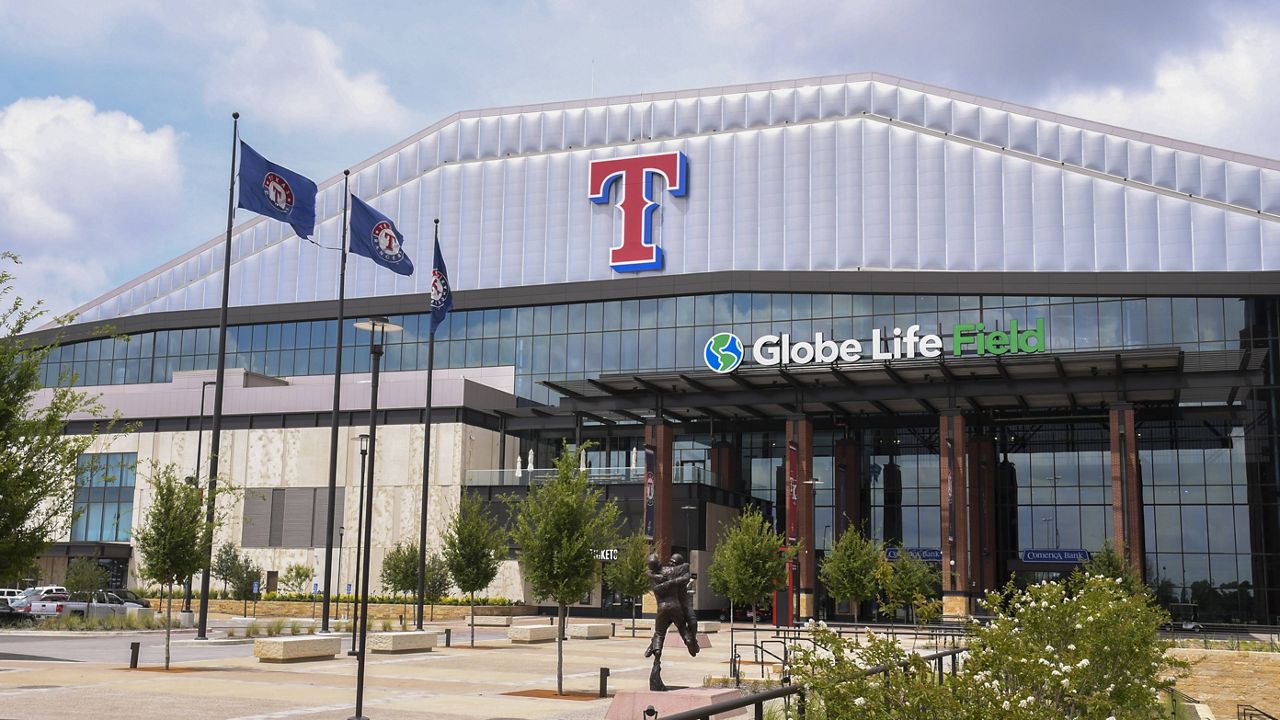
x=378, y=327
x=341, y=529
x=186, y=586
x=364, y=454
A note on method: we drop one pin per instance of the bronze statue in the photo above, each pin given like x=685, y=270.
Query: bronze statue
x=671, y=592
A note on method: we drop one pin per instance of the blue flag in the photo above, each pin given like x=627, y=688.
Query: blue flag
x=374, y=236
x=277, y=192
x=441, y=294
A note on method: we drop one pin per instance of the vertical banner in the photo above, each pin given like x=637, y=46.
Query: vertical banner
x=793, y=491
x=650, y=502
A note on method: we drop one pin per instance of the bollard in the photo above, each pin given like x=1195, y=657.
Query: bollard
x=133, y=655
x=448, y=636
x=604, y=682
x=649, y=712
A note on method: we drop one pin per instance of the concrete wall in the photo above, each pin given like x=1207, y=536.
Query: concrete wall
x=299, y=457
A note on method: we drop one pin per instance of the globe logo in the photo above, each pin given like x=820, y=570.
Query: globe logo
x=723, y=352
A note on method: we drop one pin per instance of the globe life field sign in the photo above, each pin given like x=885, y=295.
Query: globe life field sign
x=724, y=351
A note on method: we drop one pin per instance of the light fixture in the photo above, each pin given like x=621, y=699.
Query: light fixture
x=364, y=442
x=378, y=323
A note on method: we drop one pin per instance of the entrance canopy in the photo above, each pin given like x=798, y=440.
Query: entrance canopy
x=1036, y=384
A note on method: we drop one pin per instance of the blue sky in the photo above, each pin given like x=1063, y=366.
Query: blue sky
x=115, y=127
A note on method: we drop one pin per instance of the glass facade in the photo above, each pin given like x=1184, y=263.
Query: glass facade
x=581, y=340
x=104, y=497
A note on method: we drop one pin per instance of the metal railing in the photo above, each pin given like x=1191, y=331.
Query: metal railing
x=757, y=700
x=1247, y=712
x=680, y=474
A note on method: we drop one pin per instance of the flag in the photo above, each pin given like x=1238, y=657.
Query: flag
x=277, y=192
x=374, y=236
x=441, y=295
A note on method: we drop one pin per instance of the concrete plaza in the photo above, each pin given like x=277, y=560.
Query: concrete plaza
x=47, y=675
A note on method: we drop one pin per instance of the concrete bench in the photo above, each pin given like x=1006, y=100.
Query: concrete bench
x=591, y=631
x=532, y=633
x=297, y=649
x=641, y=624
x=491, y=621
x=403, y=642
x=708, y=626
x=143, y=614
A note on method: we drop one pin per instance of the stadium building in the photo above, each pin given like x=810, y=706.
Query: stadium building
x=995, y=336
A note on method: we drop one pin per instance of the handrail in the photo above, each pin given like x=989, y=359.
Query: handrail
x=1249, y=712
x=759, y=699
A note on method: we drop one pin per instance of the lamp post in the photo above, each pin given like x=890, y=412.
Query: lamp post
x=377, y=327
x=364, y=455
x=341, y=530
x=186, y=586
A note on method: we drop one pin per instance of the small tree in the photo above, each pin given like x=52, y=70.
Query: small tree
x=38, y=461
x=560, y=526
x=849, y=570
x=172, y=537
x=400, y=570
x=906, y=582
x=437, y=581
x=474, y=546
x=226, y=565
x=84, y=576
x=297, y=578
x=1109, y=563
x=629, y=574
x=749, y=564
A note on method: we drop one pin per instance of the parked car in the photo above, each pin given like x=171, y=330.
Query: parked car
x=9, y=593
x=9, y=616
x=130, y=596
x=37, y=606
x=97, y=604
x=42, y=590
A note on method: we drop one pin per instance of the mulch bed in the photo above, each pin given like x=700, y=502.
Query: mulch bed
x=551, y=695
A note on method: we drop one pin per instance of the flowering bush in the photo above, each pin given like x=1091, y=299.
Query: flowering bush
x=1085, y=648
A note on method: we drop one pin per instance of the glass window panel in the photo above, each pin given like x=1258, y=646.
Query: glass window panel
x=780, y=306
x=1195, y=529
x=475, y=352
x=1209, y=312
x=489, y=353
x=648, y=349
x=591, y=352
x=524, y=322
x=489, y=323
x=630, y=314
x=723, y=309
x=1184, y=320
x=611, y=346
x=541, y=353
x=666, y=312
x=667, y=349
x=1135, y=322
x=575, y=353
x=1110, y=325
x=594, y=313
x=1061, y=327
x=507, y=351
x=506, y=322
x=541, y=320
x=475, y=324
x=629, y=351
x=559, y=318
x=273, y=336
x=704, y=310
x=1159, y=322
x=760, y=307
x=613, y=315
x=648, y=313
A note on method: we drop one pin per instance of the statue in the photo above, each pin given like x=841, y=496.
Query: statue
x=671, y=591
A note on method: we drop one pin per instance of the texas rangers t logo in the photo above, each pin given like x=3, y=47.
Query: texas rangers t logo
x=635, y=199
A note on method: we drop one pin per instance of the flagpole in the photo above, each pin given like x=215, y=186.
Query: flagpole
x=333, y=421
x=426, y=457
x=215, y=443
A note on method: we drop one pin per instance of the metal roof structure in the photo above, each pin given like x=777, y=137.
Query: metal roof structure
x=1025, y=385
x=841, y=173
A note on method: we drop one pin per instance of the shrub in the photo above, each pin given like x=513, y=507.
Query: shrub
x=251, y=630
x=295, y=628
x=386, y=626
x=275, y=627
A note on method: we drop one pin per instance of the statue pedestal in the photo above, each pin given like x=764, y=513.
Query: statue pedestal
x=630, y=704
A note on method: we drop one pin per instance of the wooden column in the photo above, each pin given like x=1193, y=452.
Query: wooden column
x=954, y=498
x=1126, y=487
x=800, y=431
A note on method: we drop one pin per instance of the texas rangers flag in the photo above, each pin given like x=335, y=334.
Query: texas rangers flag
x=277, y=192
x=441, y=295
x=374, y=236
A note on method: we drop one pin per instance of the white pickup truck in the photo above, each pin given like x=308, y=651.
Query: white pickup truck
x=101, y=604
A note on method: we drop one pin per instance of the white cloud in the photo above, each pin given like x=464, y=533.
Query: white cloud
x=80, y=188
x=1224, y=98
x=293, y=78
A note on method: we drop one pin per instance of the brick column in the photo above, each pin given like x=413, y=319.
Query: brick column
x=800, y=431
x=1126, y=487
x=982, y=512
x=954, y=499
x=848, y=487
x=723, y=465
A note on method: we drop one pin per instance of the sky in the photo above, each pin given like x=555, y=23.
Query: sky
x=115, y=128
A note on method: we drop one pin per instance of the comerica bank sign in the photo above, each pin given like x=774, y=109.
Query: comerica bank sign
x=724, y=351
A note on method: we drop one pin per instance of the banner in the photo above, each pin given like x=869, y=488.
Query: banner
x=650, y=501
x=793, y=492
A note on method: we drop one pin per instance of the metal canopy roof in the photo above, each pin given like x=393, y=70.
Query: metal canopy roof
x=1031, y=383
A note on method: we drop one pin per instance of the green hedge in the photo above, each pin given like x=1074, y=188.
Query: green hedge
x=307, y=597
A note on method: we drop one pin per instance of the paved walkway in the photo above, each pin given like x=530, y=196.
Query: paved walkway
x=44, y=677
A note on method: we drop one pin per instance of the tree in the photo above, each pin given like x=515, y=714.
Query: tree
x=560, y=526
x=629, y=574
x=749, y=564
x=437, y=581
x=172, y=537
x=907, y=581
x=226, y=565
x=38, y=462
x=849, y=570
x=474, y=546
x=400, y=570
x=1109, y=563
x=84, y=577
x=297, y=578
